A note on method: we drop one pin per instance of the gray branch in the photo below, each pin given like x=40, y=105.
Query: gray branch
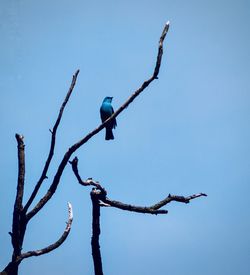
x=154, y=209
x=54, y=245
x=101, y=193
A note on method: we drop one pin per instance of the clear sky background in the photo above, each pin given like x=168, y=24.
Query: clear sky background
x=187, y=133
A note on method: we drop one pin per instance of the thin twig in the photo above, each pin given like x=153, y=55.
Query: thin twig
x=54, y=245
x=78, y=144
x=183, y=199
x=52, y=144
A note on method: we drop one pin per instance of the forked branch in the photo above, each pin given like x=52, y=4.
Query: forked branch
x=78, y=144
x=52, y=144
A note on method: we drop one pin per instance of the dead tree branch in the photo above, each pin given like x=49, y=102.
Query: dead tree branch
x=96, y=231
x=133, y=208
x=99, y=198
x=154, y=209
x=52, y=144
x=19, y=223
x=20, y=218
x=54, y=245
x=102, y=196
x=89, y=181
x=96, y=193
x=78, y=144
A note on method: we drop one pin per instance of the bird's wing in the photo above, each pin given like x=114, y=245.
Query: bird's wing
x=103, y=116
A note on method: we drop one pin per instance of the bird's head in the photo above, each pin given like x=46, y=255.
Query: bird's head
x=108, y=99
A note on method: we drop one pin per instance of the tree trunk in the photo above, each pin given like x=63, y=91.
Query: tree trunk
x=96, y=253
x=10, y=269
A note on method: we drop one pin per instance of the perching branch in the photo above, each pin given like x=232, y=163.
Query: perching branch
x=78, y=144
x=147, y=82
x=52, y=145
x=54, y=245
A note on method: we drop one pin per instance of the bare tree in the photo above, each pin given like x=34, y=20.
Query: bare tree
x=22, y=213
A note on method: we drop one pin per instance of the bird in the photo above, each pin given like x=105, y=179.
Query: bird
x=106, y=111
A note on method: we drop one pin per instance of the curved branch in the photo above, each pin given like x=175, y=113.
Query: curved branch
x=133, y=208
x=54, y=245
x=52, y=145
x=78, y=144
x=89, y=181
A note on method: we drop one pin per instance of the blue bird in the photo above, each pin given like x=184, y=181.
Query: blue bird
x=106, y=111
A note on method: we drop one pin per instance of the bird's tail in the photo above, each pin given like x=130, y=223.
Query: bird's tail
x=109, y=134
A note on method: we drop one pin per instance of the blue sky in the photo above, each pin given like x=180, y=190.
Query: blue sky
x=187, y=133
